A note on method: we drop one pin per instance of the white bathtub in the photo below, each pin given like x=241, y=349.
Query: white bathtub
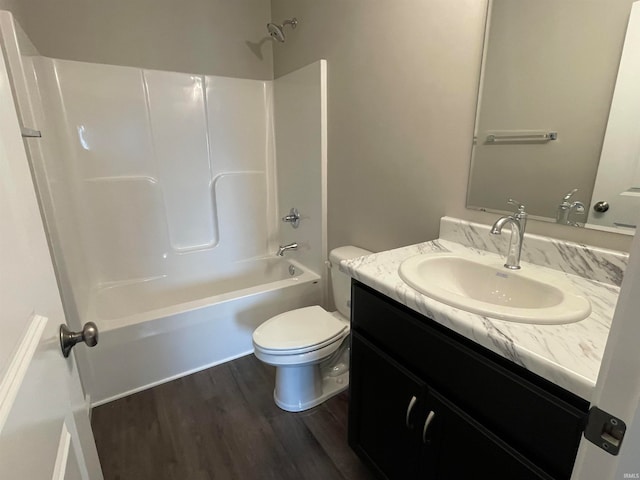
x=157, y=330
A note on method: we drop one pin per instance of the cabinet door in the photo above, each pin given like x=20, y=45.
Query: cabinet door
x=384, y=410
x=538, y=419
x=456, y=446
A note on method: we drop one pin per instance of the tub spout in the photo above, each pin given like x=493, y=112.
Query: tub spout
x=284, y=248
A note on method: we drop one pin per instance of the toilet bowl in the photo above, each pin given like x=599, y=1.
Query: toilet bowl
x=310, y=346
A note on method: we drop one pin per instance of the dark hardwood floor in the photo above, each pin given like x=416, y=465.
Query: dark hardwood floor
x=221, y=424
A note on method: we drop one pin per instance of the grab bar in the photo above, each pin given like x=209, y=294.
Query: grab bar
x=521, y=137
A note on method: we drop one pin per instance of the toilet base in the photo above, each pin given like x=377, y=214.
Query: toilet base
x=301, y=388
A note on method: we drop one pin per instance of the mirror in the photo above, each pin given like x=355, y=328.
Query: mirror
x=549, y=72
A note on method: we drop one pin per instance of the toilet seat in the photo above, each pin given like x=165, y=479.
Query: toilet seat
x=299, y=351
x=299, y=331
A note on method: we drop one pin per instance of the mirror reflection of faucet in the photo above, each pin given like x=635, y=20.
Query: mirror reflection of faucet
x=518, y=222
x=568, y=208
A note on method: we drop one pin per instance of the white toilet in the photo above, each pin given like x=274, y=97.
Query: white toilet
x=309, y=346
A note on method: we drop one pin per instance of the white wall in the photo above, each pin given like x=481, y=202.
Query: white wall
x=214, y=37
x=403, y=80
x=301, y=152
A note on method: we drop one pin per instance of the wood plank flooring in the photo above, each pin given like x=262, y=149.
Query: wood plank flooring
x=222, y=424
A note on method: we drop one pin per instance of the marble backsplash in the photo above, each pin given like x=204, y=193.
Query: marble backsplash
x=589, y=262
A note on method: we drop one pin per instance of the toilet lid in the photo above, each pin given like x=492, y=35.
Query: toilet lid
x=296, y=329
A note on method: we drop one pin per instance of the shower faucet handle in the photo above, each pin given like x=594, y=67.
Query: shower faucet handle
x=293, y=218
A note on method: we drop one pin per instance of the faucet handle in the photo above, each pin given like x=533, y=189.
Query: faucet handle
x=520, y=206
x=578, y=208
x=568, y=195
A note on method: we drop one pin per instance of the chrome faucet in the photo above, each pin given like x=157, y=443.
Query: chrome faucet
x=284, y=248
x=566, y=208
x=518, y=222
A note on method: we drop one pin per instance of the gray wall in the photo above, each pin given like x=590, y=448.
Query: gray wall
x=403, y=79
x=402, y=88
x=214, y=37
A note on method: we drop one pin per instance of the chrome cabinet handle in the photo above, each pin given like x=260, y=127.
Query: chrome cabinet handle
x=427, y=422
x=68, y=339
x=412, y=403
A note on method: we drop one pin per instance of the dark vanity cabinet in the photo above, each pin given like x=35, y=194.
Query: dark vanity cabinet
x=426, y=403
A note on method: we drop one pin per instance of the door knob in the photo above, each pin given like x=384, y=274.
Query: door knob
x=601, y=207
x=68, y=339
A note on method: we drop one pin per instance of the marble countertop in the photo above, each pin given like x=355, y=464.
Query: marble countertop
x=567, y=355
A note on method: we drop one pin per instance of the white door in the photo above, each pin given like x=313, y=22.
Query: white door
x=617, y=390
x=44, y=424
x=618, y=178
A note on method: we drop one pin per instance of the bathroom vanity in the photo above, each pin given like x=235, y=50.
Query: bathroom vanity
x=441, y=393
x=427, y=403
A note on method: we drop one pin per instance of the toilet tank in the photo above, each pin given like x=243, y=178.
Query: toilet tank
x=340, y=282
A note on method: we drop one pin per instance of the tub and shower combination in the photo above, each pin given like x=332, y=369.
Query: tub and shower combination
x=162, y=194
x=158, y=330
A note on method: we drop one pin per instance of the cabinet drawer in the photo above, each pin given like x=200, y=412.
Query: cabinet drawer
x=542, y=423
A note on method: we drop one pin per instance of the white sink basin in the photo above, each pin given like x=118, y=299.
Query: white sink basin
x=482, y=285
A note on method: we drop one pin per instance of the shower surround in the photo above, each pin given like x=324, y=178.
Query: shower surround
x=161, y=198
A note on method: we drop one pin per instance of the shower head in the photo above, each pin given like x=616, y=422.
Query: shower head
x=277, y=31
